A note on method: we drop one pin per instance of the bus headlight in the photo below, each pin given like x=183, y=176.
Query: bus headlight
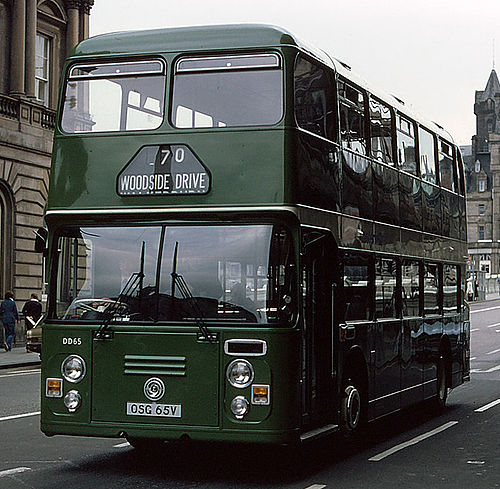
x=239, y=407
x=240, y=373
x=73, y=368
x=72, y=401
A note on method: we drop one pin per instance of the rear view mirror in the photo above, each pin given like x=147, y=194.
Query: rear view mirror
x=41, y=240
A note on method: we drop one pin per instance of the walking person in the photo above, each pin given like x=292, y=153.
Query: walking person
x=9, y=316
x=32, y=311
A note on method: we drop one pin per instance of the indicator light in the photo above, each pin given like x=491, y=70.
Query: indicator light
x=261, y=395
x=54, y=388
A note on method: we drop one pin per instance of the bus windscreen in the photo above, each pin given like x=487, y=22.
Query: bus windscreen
x=233, y=273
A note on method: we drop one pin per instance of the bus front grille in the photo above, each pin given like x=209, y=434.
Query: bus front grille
x=154, y=365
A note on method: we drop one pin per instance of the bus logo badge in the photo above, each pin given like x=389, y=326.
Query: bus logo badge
x=166, y=169
x=154, y=389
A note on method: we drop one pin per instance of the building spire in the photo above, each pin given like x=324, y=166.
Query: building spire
x=493, y=54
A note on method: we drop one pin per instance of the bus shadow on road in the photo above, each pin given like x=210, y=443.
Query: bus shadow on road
x=193, y=462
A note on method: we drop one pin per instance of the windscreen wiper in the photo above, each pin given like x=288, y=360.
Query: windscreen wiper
x=182, y=286
x=135, y=281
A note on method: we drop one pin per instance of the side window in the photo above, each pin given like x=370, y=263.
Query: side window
x=431, y=288
x=357, y=290
x=410, y=273
x=450, y=289
x=460, y=175
x=381, y=131
x=352, y=118
x=405, y=133
x=446, y=165
x=315, y=99
x=385, y=288
x=427, y=155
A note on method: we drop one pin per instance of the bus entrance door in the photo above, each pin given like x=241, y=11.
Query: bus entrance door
x=317, y=334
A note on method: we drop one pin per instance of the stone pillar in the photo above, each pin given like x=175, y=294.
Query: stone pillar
x=30, y=48
x=17, y=63
x=86, y=5
x=73, y=26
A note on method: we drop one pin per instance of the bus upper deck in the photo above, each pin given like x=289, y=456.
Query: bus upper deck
x=148, y=126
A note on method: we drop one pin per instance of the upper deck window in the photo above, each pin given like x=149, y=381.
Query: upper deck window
x=228, y=91
x=352, y=118
x=427, y=156
x=447, y=166
x=315, y=99
x=106, y=97
x=405, y=134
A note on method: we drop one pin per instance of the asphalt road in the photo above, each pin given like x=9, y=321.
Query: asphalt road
x=414, y=449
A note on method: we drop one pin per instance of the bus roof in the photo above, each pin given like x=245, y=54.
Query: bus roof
x=196, y=38
x=230, y=37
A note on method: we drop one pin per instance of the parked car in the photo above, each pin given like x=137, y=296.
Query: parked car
x=34, y=339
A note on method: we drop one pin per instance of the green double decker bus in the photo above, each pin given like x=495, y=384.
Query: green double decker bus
x=246, y=242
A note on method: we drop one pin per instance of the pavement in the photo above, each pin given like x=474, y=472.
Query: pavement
x=18, y=357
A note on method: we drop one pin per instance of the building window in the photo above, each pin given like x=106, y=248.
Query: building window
x=481, y=232
x=482, y=185
x=482, y=209
x=477, y=167
x=42, y=68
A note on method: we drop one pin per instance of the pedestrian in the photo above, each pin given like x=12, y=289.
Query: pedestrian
x=32, y=311
x=470, y=289
x=9, y=316
x=498, y=282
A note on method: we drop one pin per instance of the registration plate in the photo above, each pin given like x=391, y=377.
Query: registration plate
x=153, y=409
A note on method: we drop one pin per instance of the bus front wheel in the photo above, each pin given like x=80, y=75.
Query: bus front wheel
x=351, y=407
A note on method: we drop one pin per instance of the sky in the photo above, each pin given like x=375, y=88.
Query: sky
x=433, y=54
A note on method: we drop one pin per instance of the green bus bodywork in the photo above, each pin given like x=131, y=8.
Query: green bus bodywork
x=257, y=174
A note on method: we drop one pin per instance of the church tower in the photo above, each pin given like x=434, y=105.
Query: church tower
x=483, y=182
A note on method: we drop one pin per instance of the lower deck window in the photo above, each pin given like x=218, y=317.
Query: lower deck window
x=242, y=273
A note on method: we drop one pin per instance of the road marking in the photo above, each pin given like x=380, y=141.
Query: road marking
x=475, y=329
x=16, y=416
x=17, y=470
x=316, y=486
x=24, y=371
x=484, y=310
x=492, y=369
x=122, y=445
x=413, y=441
x=18, y=374
x=493, y=352
x=493, y=325
x=472, y=358
x=488, y=406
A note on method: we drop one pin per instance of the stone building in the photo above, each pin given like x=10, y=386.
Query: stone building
x=35, y=37
x=483, y=184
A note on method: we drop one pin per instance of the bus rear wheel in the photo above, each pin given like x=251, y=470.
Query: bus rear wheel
x=351, y=409
x=442, y=385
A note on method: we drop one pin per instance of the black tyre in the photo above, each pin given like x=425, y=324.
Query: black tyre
x=442, y=385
